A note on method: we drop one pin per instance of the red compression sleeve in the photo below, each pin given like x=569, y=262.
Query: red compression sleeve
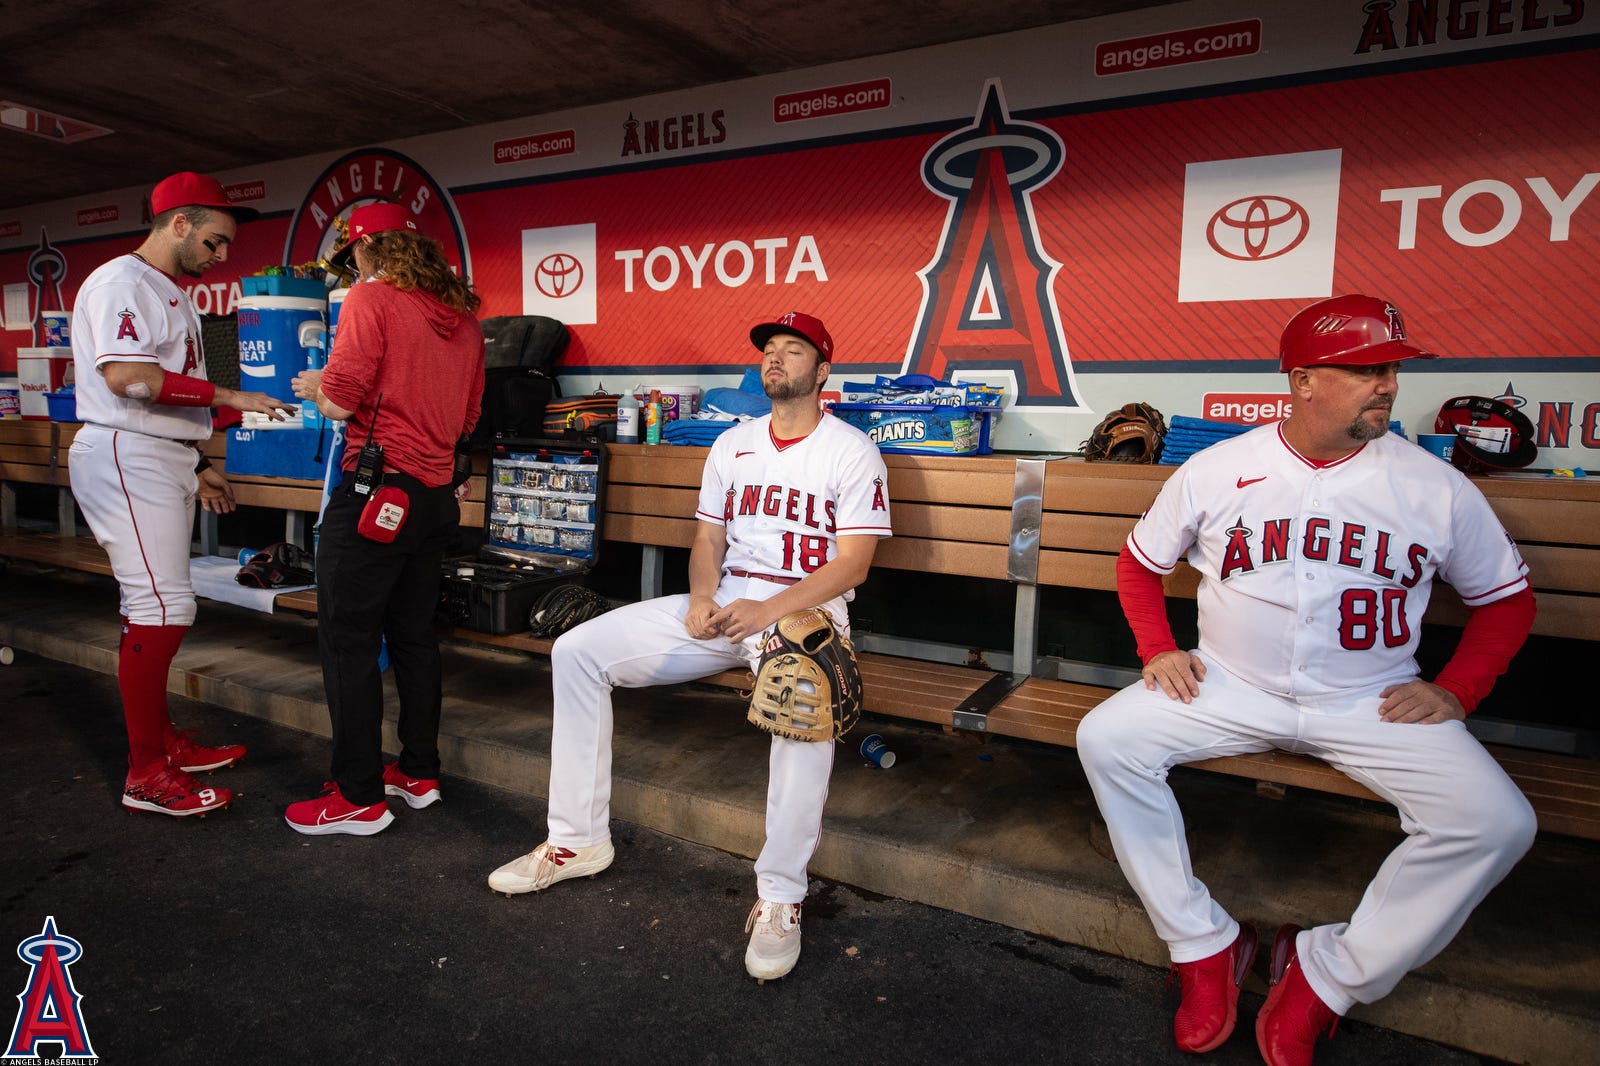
x=1144, y=602
x=181, y=390
x=1490, y=638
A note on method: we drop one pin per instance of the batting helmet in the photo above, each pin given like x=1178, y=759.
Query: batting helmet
x=1490, y=435
x=1349, y=330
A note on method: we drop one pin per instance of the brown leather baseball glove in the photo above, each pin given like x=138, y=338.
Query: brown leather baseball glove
x=808, y=685
x=1133, y=433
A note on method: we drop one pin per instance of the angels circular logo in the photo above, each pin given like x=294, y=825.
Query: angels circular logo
x=558, y=275
x=1258, y=227
x=366, y=177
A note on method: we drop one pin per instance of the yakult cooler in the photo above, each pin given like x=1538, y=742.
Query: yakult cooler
x=270, y=349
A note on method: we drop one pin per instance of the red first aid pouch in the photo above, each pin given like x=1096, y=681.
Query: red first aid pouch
x=384, y=514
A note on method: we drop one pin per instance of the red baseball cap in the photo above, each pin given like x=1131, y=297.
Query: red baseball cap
x=188, y=189
x=800, y=325
x=370, y=219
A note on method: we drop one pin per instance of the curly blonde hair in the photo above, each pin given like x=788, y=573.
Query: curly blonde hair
x=411, y=261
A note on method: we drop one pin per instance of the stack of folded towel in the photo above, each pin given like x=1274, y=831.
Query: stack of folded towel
x=721, y=410
x=1185, y=436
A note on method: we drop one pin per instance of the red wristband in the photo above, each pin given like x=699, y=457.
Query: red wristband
x=180, y=390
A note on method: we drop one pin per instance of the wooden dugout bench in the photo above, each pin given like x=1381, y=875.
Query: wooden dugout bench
x=1038, y=523
x=1032, y=522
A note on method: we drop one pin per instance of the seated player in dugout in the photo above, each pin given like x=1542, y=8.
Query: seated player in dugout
x=1317, y=540
x=791, y=508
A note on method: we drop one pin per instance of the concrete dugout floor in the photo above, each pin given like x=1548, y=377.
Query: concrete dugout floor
x=996, y=830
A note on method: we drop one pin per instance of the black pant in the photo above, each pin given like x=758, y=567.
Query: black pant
x=368, y=593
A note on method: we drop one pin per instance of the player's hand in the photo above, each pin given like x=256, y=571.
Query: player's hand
x=1177, y=673
x=258, y=402
x=306, y=384
x=1420, y=703
x=742, y=618
x=698, y=621
x=213, y=491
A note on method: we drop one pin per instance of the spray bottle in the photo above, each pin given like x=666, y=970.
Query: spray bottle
x=652, y=418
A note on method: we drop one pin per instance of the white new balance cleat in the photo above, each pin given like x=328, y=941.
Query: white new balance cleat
x=549, y=863
x=774, y=930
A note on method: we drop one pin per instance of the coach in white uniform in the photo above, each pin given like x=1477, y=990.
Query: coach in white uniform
x=1317, y=541
x=791, y=509
x=145, y=403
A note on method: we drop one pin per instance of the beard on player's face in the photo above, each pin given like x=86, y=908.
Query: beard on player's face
x=193, y=257
x=790, y=388
x=1362, y=427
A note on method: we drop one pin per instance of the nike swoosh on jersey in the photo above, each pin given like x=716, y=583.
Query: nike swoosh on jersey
x=737, y=455
x=174, y=303
x=1242, y=482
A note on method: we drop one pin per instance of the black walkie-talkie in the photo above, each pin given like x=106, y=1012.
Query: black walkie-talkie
x=369, y=463
x=369, y=468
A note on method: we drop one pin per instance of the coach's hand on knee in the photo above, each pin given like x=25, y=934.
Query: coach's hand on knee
x=1419, y=703
x=1177, y=673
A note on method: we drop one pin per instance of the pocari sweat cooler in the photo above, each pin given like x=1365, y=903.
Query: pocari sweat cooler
x=270, y=348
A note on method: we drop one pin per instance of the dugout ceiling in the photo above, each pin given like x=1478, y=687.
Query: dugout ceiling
x=217, y=86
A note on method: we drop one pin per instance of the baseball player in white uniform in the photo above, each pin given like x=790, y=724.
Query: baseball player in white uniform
x=1317, y=541
x=791, y=509
x=143, y=397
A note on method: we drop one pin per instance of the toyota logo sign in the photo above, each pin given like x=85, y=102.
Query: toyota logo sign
x=1257, y=227
x=558, y=275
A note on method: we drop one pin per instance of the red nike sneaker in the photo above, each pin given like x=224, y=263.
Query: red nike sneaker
x=332, y=813
x=1210, y=990
x=418, y=792
x=1294, y=1017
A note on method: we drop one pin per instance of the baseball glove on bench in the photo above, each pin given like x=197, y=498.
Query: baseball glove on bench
x=564, y=607
x=808, y=684
x=1131, y=434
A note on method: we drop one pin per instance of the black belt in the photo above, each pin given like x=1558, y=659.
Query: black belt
x=776, y=579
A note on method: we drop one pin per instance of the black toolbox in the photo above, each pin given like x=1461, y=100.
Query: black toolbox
x=544, y=499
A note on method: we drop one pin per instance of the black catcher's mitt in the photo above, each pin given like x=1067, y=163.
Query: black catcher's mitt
x=1131, y=434
x=563, y=607
x=808, y=685
x=277, y=566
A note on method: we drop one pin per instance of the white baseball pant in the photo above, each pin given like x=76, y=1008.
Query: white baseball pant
x=644, y=644
x=1466, y=823
x=138, y=493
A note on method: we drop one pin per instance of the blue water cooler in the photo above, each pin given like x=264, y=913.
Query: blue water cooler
x=272, y=348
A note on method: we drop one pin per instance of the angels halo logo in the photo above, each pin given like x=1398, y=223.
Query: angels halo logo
x=48, y=1008
x=370, y=176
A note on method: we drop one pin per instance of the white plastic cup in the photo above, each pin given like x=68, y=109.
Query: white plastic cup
x=876, y=752
x=1442, y=445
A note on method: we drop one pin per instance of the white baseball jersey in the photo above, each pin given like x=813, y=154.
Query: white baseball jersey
x=785, y=509
x=1314, y=579
x=128, y=310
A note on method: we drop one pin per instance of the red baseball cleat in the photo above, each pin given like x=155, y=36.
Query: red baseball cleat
x=1210, y=993
x=332, y=813
x=1294, y=1016
x=418, y=792
x=168, y=790
x=195, y=758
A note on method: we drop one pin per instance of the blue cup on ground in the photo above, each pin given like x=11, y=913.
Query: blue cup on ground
x=1442, y=445
x=876, y=752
